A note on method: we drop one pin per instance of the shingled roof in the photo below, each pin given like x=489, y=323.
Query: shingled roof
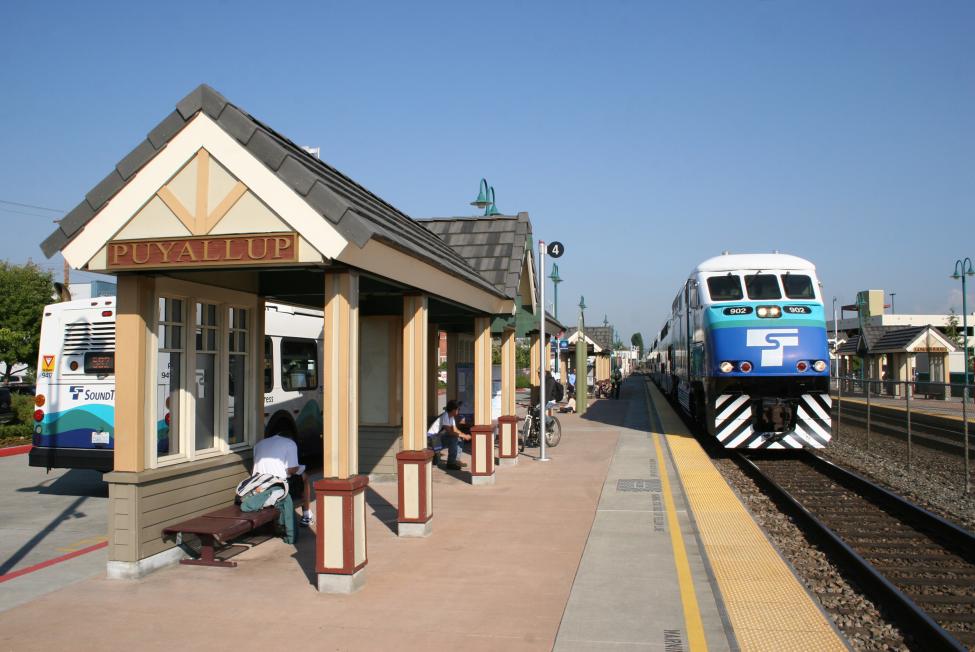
x=494, y=246
x=355, y=212
x=601, y=335
x=883, y=339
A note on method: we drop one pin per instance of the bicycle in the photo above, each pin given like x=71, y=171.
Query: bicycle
x=529, y=430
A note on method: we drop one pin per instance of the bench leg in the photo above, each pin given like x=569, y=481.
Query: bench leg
x=207, y=558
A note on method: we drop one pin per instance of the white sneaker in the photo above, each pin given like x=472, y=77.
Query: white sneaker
x=306, y=520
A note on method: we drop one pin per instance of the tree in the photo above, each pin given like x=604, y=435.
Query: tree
x=637, y=340
x=24, y=291
x=952, y=329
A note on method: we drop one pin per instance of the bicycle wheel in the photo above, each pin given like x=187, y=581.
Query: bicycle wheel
x=553, y=432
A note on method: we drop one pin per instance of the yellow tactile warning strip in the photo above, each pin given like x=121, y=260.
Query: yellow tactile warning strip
x=766, y=605
x=696, y=640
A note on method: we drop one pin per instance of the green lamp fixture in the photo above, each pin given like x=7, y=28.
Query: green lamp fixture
x=492, y=209
x=482, y=200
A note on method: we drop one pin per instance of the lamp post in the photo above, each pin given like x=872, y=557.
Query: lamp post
x=582, y=362
x=836, y=344
x=485, y=199
x=963, y=268
x=556, y=279
x=892, y=295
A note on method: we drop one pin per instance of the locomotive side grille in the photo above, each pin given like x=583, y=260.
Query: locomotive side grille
x=81, y=337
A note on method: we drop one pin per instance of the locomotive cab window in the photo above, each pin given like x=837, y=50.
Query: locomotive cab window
x=762, y=286
x=798, y=286
x=725, y=288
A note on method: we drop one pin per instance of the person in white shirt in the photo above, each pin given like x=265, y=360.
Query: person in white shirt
x=277, y=455
x=446, y=426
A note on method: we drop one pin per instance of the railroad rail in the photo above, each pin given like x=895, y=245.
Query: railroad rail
x=918, y=565
x=935, y=432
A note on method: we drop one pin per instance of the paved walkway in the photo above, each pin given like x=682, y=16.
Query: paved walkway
x=552, y=555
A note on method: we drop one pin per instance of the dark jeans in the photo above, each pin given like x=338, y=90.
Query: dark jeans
x=453, y=445
x=616, y=390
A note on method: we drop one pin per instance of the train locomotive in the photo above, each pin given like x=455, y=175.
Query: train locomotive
x=744, y=352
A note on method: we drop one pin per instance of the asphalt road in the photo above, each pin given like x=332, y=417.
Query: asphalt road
x=47, y=516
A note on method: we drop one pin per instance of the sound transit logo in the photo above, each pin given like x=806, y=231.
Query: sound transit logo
x=772, y=341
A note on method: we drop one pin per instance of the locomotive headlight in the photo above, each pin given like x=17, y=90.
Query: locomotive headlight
x=774, y=312
x=726, y=367
x=819, y=365
x=762, y=311
x=745, y=366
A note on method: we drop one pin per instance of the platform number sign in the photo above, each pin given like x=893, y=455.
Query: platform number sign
x=556, y=249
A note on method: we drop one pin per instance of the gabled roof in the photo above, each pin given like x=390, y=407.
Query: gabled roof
x=600, y=335
x=356, y=213
x=494, y=246
x=890, y=339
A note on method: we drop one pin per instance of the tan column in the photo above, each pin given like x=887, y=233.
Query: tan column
x=414, y=461
x=508, y=421
x=453, y=357
x=482, y=433
x=135, y=303
x=259, y=320
x=340, y=495
x=433, y=371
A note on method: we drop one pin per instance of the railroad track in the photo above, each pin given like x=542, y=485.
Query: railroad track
x=933, y=432
x=918, y=565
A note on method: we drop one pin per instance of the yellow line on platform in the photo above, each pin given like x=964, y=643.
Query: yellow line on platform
x=688, y=597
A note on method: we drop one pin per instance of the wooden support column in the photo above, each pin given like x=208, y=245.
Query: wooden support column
x=482, y=433
x=414, y=462
x=433, y=371
x=340, y=496
x=135, y=310
x=508, y=421
x=453, y=357
x=533, y=374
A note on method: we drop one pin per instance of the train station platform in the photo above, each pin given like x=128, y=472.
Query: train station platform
x=624, y=540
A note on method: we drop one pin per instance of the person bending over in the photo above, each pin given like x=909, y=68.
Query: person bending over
x=446, y=426
x=277, y=455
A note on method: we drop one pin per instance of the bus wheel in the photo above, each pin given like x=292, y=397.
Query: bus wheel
x=282, y=425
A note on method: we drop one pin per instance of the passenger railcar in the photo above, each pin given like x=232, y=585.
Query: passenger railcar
x=744, y=352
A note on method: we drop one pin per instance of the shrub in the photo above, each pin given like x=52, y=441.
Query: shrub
x=23, y=407
x=13, y=431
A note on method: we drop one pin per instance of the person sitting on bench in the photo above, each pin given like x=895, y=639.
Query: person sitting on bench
x=277, y=455
x=446, y=426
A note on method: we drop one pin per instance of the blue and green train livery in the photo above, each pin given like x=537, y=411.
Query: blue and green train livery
x=745, y=352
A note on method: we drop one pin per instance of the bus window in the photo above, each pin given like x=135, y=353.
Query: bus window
x=299, y=367
x=798, y=286
x=762, y=286
x=268, y=365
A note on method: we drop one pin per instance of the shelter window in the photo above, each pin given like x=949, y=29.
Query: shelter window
x=206, y=375
x=725, y=288
x=299, y=367
x=169, y=363
x=762, y=286
x=798, y=286
x=237, y=404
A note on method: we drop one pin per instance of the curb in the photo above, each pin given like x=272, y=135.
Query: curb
x=15, y=450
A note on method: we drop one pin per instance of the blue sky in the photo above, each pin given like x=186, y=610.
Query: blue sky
x=646, y=136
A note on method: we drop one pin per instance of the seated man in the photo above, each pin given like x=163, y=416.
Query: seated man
x=570, y=405
x=277, y=455
x=446, y=426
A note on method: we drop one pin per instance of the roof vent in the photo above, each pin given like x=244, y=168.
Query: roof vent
x=725, y=252
x=775, y=251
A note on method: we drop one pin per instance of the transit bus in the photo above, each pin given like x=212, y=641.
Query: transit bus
x=74, y=417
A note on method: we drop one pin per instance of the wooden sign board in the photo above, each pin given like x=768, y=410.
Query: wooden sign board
x=204, y=251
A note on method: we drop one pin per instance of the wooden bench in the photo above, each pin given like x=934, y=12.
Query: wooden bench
x=217, y=528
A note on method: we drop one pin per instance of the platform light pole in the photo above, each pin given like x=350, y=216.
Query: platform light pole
x=582, y=362
x=485, y=199
x=892, y=310
x=556, y=279
x=963, y=268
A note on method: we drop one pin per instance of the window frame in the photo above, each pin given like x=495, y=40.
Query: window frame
x=191, y=294
x=741, y=288
x=315, y=358
x=774, y=276
x=785, y=291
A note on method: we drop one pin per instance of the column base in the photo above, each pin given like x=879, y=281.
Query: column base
x=414, y=530
x=341, y=584
x=507, y=461
x=482, y=480
x=415, y=492
x=507, y=437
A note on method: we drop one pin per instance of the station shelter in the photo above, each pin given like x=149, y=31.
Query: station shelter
x=214, y=214
x=599, y=345
x=890, y=353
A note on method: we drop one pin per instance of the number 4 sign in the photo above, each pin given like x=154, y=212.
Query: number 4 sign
x=556, y=249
